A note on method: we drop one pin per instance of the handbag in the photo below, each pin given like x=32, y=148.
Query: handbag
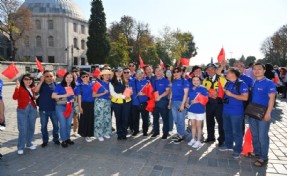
x=255, y=111
x=61, y=101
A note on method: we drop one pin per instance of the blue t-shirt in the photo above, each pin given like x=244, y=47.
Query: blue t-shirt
x=60, y=90
x=160, y=85
x=1, y=86
x=234, y=106
x=247, y=80
x=197, y=107
x=46, y=103
x=177, y=89
x=86, y=91
x=105, y=86
x=137, y=86
x=261, y=89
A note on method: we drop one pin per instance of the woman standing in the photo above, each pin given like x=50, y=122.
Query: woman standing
x=168, y=75
x=26, y=112
x=64, y=95
x=103, y=119
x=86, y=100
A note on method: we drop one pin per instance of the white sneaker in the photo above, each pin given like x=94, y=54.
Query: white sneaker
x=32, y=147
x=2, y=128
x=76, y=135
x=107, y=136
x=197, y=144
x=101, y=139
x=192, y=141
x=20, y=152
x=93, y=138
x=88, y=139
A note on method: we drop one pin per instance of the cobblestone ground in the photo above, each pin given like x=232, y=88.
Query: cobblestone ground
x=135, y=156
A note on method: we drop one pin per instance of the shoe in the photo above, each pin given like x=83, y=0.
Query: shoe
x=175, y=138
x=224, y=149
x=93, y=137
x=107, y=136
x=145, y=134
x=57, y=142
x=64, y=144
x=1, y=156
x=154, y=135
x=20, y=152
x=44, y=144
x=101, y=139
x=124, y=138
x=197, y=144
x=113, y=129
x=70, y=142
x=2, y=128
x=88, y=139
x=178, y=141
x=32, y=147
x=164, y=137
x=76, y=135
x=209, y=140
x=235, y=155
x=135, y=133
x=191, y=142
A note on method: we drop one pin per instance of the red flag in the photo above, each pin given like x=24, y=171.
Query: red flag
x=39, y=65
x=201, y=99
x=61, y=73
x=184, y=61
x=276, y=79
x=161, y=63
x=68, y=110
x=96, y=86
x=141, y=62
x=148, y=91
x=128, y=92
x=220, y=92
x=221, y=55
x=96, y=73
x=11, y=71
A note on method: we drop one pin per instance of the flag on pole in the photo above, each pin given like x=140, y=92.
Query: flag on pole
x=39, y=65
x=220, y=92
x=96, y=73
x=184, y=61
x=161, y=63
x=11, y=71
x=201, y=99
x=221, y=55
x=61, y=73
x=96, y=86
x=141, y=62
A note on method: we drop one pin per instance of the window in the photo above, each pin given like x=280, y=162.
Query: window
x=51, y=59
x=83, y=61
x=75, y=43
x=82, y=29
x=51, y=41
x=38, y=24
x=50, y=24
x=83, y=44
x=1, y=51
x=38, y=41
x=40, y=58
x=26, y=41
x=75, y=27
x=75, y=61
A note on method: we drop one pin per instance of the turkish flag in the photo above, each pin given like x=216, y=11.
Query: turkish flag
x=161, y=63
x=96, y=73
x=39, y=65
x=201, y=99
x=221, y=55
x=141, y=62
x=61, y=73
x=184, y=61
x=220, y=92
x=148, y=91
x=68, y=110
x=96, y=86
x=11, y=71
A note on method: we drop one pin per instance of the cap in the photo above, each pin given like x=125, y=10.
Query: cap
x=211, y=65
x=118, y=69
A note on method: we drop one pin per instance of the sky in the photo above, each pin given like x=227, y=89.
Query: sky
x=240, y=26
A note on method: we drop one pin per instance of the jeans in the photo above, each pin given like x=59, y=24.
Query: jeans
x=170, y=120
x=122, y=113
x=65, y=123
x=232, y=125
x=178, y=117
x=26, y=119
x=260, y=138
x=44, y=118
x=161, y=109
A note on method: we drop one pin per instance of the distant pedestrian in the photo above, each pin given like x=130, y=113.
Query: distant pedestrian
x=2, y=116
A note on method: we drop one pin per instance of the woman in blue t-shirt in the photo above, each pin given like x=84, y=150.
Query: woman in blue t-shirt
x=64, y=95
x=196, y=110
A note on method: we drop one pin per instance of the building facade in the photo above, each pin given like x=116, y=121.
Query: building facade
x=4, y=47
x=59, y=33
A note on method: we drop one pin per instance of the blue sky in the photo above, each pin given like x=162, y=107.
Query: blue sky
x=239, y=26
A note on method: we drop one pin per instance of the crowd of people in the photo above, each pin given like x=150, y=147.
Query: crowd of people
x=175, y=91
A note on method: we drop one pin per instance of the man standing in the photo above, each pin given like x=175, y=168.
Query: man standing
x=2, y=117
x=47, y=106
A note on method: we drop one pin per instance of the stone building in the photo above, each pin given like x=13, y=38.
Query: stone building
x=59, y=33
x=4, y=47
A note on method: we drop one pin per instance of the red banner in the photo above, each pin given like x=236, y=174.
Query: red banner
x=11, y=71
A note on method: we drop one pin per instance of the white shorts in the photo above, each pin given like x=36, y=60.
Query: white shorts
x=196, y=116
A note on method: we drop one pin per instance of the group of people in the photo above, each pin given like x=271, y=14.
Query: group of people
x=175, y=91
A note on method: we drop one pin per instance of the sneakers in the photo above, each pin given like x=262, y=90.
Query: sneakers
x=191, y=142
x=175, y=138
x=135, y=133
x=44, y=144
x=93, y=138
x=57, y=142
x=224, y=148
x=197, y=144
x=88, y=139
x=64, y=144
x=20, y=152
x=179, y=140
x=101, y=139
x=76, y=135
x=107, y=136
x=154, y=135
x=235, y=155
x=164, y=137
x=70, y=142
x=32, y=147
x=2, y=128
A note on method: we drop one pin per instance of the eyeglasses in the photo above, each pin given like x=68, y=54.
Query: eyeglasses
x=126, y=72
x=85, y=76
x=139, y=73
x=176, y=71
x=131, y=65
x=48, y=76
x=27, y=79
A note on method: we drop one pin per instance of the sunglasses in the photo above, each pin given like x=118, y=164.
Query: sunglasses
x=139, y=73
x=48, y=76
x=27, y=79
x=85, y=76
x=131, y=65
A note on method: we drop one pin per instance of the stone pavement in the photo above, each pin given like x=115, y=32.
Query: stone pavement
x=135, y=156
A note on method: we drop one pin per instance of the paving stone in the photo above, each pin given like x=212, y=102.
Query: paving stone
x=280, y=168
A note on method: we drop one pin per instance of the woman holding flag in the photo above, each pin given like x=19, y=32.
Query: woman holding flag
x=103, y=119
x=64, y=96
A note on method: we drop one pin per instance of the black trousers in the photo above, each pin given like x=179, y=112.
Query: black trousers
x=161, y=110
x=122, y=113
x=214, y=110
x=86, y=123
x=136, y=112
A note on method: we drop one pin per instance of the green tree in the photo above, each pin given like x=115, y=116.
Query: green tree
x=232, y=61
x=242, y=59
x=98, y=44
x=249, y=60
x=119, y=55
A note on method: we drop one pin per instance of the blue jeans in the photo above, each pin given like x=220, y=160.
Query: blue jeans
x=260, y=138
x=178, y=117
x=232, y=125
x=26, y=119
x=65, y=123
x=44, y=118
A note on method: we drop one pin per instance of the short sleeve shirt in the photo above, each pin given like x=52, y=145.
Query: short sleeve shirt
x=177, y=89
x=261, y=90
x=196, y=108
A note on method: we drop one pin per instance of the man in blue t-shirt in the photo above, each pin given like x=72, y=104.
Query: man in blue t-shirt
x=47, y=106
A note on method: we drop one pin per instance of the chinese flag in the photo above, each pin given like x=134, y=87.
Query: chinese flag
x=96, y=73
x=201, y=99
x=276, y=79
x=141, y=62
x=161, y=63
x=220, y=92
x=221, y=55
x=61, y=73
x=184, y=61
x=68, y=110
x=69, y=90
x=148, y=91
x=11, y=71
x=96, y=86
x=128, y=92
x=39, y=65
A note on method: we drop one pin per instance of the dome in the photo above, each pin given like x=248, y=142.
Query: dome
x=65, y=7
